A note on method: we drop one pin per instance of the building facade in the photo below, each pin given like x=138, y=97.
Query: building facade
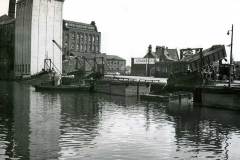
x=37, y=24
x=115, y=65
x=7, y=31
x=150, y=63
x=80, y=38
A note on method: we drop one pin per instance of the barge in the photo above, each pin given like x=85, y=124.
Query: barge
x=86, y=88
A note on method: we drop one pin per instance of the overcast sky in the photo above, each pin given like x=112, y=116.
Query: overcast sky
x=129, y=26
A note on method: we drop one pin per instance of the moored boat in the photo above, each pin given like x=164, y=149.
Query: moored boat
x=62, y=88
x=37, y=79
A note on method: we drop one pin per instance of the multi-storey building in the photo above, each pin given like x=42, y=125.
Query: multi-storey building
x=29, y=40
x=80, y=38
x=37, y=24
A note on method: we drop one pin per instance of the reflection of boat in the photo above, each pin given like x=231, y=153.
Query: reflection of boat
x=62, y=88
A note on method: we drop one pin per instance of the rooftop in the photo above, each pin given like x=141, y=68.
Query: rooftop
x=79, y=25
x=169, y=54
x=114, y=57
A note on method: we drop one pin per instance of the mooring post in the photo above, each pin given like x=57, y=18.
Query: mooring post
x=138, y=88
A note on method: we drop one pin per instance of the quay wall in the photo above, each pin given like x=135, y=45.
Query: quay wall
x=121, y=88
x=224, y=98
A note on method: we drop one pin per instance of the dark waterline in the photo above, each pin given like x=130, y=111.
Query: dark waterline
x=47, y=125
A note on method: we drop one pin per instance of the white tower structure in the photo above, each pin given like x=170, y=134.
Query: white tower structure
x=38, y=22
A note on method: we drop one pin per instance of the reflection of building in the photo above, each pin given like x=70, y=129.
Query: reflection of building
x=198, y=127
x=37, y=24
x=140, y=66
x=80, y=38
x=6, y=46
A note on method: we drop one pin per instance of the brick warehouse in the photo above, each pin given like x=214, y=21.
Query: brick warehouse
x=80, y=38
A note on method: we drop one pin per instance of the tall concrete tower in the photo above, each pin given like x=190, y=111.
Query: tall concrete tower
x=38, y=22
x=12, y=8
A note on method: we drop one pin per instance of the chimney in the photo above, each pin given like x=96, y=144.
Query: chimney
x=12, y=8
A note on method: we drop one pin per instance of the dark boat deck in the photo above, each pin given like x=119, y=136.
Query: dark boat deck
x=62, y=88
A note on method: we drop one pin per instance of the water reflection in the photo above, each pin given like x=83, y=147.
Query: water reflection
x=44, y=124
x=95, y=126
x=203, y=132
x=80, y=118
x=6, y=136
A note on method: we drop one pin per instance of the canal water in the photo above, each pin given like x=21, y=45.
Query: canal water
x=82, y=126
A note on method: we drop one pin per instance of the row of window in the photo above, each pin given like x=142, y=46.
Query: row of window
x=82, y=37
x=74, y=25
x=22, y=68
x=115, y=63
x=82, y=47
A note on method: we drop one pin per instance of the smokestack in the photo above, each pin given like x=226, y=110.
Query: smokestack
x=12, y=8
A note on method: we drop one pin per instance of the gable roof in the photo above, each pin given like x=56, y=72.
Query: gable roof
x=152, y=55
x=171, y=54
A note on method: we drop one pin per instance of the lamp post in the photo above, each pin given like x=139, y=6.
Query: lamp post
x=231, y=56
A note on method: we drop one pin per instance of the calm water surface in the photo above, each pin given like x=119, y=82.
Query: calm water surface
x=73, y=126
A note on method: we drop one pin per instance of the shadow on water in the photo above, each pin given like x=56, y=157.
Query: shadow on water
x=16, y=114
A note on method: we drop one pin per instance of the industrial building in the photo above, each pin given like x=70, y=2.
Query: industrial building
x=80, y=38
x=7, y=32
x=37, y=24
x=27, y=46
x=87, y=63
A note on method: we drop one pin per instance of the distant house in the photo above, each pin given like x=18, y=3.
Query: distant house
x=154, y=62
x=115, y=64
x=163, y=54
x=88, y=62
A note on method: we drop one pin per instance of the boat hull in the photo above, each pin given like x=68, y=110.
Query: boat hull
x=62, y=88
x=37, y=79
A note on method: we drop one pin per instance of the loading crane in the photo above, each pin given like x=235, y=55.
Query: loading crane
x=76, y=70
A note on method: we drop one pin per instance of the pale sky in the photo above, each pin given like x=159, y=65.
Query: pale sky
x=129, y=26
